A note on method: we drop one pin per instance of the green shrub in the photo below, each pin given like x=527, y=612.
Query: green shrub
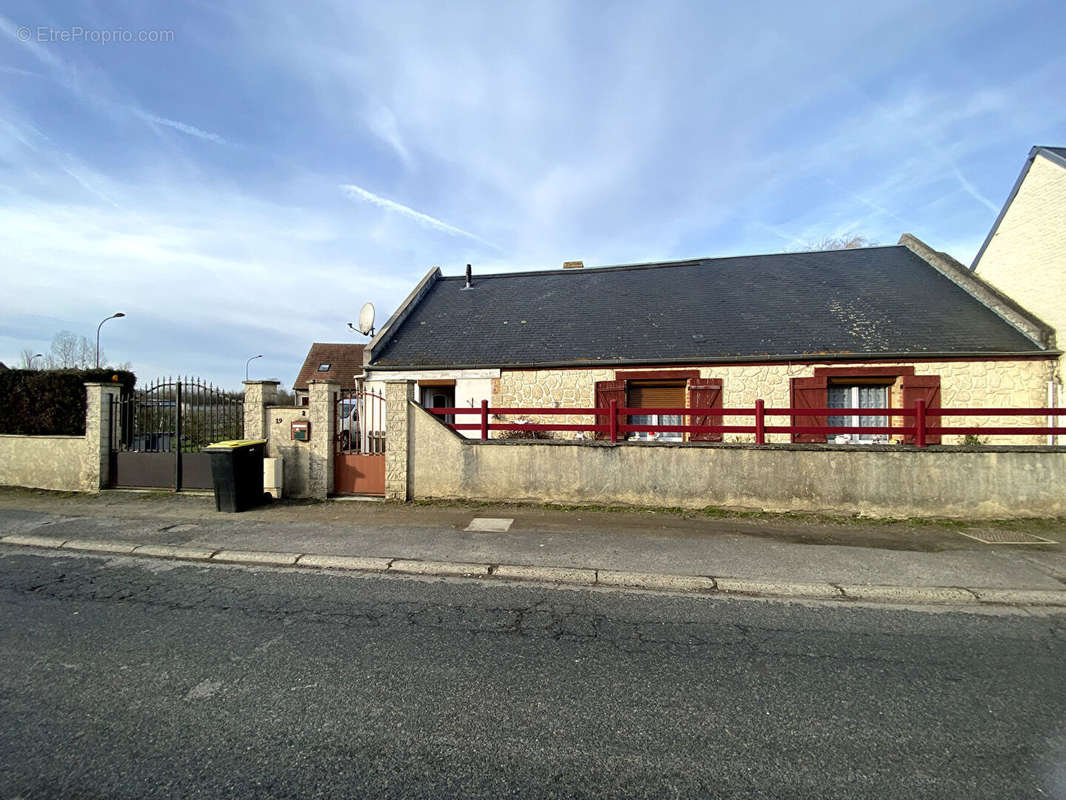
x=51, y=402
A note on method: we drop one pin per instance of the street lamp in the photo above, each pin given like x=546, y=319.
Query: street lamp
x=249, y=361
x=98, y=327
x=38, y=355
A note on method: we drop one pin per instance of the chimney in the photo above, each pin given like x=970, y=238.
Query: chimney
x=573, y=264
x=469, y=275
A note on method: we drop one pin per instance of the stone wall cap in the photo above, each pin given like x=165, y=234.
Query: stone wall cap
x=41, y=436
x=908, y=449
x=260, y=383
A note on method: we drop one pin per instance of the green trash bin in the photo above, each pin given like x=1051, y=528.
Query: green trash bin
x=237, y=472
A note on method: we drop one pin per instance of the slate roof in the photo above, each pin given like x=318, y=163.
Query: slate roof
x=345, y=360
x=870, y=301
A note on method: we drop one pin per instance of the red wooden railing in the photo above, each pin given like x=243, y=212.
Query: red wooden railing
x=614, y=428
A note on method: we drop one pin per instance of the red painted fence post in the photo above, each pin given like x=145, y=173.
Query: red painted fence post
x=484, y=419
x=919, y=423
x=760, y=422
x=613, y=424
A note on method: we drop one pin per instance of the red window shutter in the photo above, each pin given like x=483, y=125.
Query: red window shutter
x=927, y=388
x=606, y=391
x=705, y=393
x=809, y=393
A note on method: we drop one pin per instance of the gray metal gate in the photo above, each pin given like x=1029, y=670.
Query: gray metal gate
x=157, y=433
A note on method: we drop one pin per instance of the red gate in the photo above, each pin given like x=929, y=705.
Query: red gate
x=359, y=460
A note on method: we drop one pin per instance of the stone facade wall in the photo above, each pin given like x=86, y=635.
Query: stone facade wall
x=257, y=396
x=1026, y=258
x=323, y=426
x=399, y=399
x=991, y=384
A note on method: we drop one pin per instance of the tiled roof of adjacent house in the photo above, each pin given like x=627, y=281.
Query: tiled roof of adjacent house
x=868, y=301
x=345, y=362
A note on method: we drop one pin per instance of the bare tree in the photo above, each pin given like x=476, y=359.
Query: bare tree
x=26, y=359
x=847, y=241
x=72, y=352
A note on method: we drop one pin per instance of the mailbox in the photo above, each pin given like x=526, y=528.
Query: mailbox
x=301, y=430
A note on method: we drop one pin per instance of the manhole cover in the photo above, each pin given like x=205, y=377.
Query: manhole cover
x=490, y=524
x=1007, y=537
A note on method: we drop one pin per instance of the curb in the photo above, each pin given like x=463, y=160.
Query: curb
x=569, y=576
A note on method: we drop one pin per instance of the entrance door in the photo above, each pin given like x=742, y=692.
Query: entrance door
x=440, y=397
x=359, y=457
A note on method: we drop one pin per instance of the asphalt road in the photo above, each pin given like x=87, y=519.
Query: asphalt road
x=126, y=678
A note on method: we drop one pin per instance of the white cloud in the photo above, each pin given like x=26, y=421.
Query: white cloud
x=384, y=124
x=972, y=190
x=190, y=130
x=425, y=219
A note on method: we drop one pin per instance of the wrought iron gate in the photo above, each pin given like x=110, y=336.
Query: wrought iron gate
x=359, y=460
x=157, y=433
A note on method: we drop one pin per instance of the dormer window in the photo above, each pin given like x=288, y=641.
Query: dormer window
x=324, y=367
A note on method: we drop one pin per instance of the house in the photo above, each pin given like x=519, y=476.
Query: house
x=341, y=362
x=1024, y=254
x=871, y=327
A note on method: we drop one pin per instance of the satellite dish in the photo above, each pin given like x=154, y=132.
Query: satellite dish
x=366, y=319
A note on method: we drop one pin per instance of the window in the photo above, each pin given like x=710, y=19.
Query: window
x=846, y=395
x=324, y=367
x=434, y=396
x=656, y=394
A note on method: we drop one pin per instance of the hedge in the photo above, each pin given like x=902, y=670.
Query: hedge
x=51, y=402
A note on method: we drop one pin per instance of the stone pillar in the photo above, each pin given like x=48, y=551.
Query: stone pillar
x=322, y=413
x=398, y=398
x=257, y=396
x=99, y=409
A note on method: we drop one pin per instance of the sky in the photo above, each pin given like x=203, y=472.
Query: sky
x=239, y=178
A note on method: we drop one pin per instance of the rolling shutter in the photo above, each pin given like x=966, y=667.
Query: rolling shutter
x=927, y=388
x=705, y=393
x=606, y=391
x=809, y=393
x=656, y=395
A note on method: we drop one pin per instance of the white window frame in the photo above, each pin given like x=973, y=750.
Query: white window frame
x=855, y=421
x=654, y=419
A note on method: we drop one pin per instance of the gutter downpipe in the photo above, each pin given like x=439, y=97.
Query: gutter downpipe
x=1050, y=405
x=1054, y=403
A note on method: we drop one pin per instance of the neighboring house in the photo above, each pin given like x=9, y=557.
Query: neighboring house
x=871, y=327
x=1025, y=252
x=340, y=362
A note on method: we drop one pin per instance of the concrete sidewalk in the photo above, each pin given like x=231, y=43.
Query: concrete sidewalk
x=889, y=562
